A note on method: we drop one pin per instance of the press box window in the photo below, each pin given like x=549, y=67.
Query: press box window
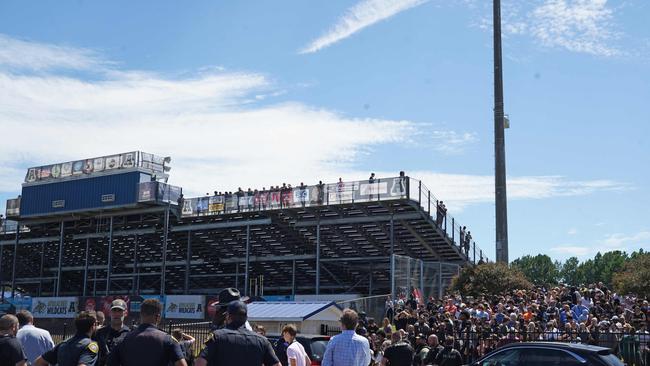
x=108, y=198
x=58, y=204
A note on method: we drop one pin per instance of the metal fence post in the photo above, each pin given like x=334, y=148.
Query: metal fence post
x=420, y=192
x=474, y=250
x=453, y=231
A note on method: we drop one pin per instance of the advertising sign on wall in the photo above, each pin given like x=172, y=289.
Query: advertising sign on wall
x=54, y=307
x=136, y=301
x=184, y=307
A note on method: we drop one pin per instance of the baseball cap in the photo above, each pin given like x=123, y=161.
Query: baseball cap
x=118, y=304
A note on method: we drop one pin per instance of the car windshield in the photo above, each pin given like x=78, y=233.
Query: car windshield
x=611, y=360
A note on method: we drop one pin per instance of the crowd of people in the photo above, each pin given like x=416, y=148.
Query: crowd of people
x=453, y=330
x=463, y=329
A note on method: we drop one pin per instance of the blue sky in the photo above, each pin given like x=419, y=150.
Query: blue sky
x=254, y=93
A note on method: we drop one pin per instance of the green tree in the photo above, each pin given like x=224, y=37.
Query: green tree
x=603, y=267
x=634, y=278
x=540, y=269
x=570, y=273
x=489, y=278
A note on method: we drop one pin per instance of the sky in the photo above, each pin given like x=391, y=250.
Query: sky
x=257, y=93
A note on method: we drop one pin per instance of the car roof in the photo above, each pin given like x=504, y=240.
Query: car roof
x=579, y=347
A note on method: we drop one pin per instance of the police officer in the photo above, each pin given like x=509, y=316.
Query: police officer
x=449, y=356
x=147, y=345
x=226, y=296
x=10, y=348
x=109, y=337
x=236, y=345
x=78, y=350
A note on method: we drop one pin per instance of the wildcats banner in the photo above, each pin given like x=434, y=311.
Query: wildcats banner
x=184, y=307
x=54, y=307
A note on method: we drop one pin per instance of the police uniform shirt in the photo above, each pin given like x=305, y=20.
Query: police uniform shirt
x=146, y=346
x=449, y=357
x=399, y=354
x=79, y=349
x=238, y=346
x=281, y=351
x=10, y=351
x=107, y=338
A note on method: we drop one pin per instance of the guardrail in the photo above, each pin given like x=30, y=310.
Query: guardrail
x=325, y=194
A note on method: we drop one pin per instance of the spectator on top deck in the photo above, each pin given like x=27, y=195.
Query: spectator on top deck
x=441, y=212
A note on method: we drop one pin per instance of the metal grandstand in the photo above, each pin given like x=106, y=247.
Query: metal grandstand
x=322, y=239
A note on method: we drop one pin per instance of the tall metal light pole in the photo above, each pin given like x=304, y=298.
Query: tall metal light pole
x=499, y=143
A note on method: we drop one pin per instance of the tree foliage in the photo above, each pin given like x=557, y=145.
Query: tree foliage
x=634, y=278
x=540, y=269
x=602, y=267
x=489, y=278
x=570, y=273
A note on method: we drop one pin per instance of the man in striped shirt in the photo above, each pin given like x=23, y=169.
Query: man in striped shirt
x=347, y=348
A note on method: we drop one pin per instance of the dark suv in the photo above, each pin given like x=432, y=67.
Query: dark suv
x=314, y=345
x=549, y=354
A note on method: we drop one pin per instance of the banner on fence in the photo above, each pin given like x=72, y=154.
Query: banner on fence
x=54, y=307
x=184, y=307
x=136, y=301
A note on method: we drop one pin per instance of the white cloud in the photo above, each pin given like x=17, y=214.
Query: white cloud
x=218, y=136
x=621, y=241
x=210, y=123
x=452, y=142
x=361, y=15
x=576, y=25
x=459, y=190
x=584, y=26
x=571, y=250
x=572, y=231
x=21, y=54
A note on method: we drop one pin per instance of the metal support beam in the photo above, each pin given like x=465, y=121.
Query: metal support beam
x=221, y=225
x=136, y=268
x=83, y=292
x=164, y=253
x=439, y=280
x=13, y=267
x=248, y=253
x=421, y=276
x=187, y=262
x=110, y=256
x=2, y=287
x=116, y=233
x=293, y=278
x=40, y=283
x=237, y=276
x=474, y=250
x=359, y=220
x=419, y=237
x=58, y=272
x=318, y=257
x=392, y=259
x=297, y=257
x=370, y=279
